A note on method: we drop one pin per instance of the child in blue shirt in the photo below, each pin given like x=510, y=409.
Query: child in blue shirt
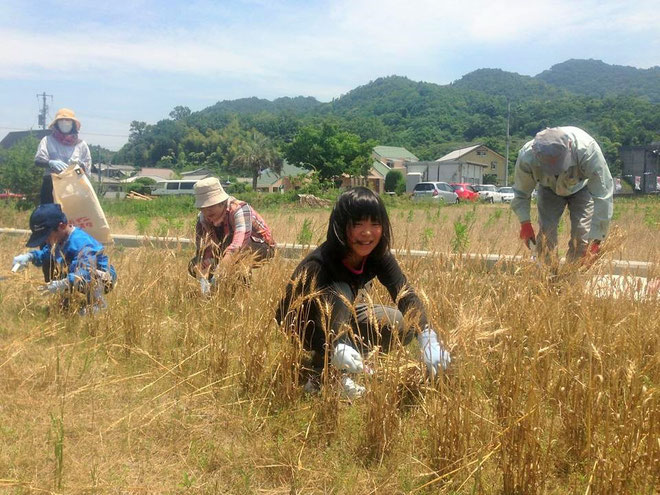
x=81, y=258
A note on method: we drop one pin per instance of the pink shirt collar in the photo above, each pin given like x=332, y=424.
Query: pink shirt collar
x=353, y=270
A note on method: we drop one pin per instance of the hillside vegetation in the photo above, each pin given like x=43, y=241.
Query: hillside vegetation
x=596, y=78
x=618, y=106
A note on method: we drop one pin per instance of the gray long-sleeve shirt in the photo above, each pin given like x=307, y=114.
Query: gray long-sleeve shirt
x=588, y=169
x=51, y=149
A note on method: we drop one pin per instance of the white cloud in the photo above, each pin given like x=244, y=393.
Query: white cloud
x=348, y=35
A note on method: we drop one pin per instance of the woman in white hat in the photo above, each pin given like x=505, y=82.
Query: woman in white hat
x=61, y=148
x=226, y=228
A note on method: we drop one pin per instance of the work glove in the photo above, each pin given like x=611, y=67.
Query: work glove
x=527, y=233
x=55, y=286
x=57, y=166
x=21, y=261
x=350, y=389
x=346, y=358
x=591, y=254
x=433, y=354
x=205, y=286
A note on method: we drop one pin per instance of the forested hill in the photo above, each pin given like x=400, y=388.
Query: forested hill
x=596, y=78
x=501, y=83
x=298, y=105
x=428, y=119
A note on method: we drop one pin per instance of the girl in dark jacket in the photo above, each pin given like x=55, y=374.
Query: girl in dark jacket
x=318, y=303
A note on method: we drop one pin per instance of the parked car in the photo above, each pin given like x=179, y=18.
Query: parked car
x=168, y=187
x=440, y=191
x=464, y=191
x=488, y=193
x=507, y=194
x=7, y=194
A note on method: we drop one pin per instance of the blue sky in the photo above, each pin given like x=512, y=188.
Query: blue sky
x=114, y=62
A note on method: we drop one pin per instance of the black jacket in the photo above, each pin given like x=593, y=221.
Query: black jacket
x=309, y=298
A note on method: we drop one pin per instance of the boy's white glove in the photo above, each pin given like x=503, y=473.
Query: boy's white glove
x=57, y=166
x=346, y=358
x=21, y=261
x=55, y=286
x=433, y=354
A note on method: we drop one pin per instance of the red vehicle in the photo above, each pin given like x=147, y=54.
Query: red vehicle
x=7, y=194
x=465, y=191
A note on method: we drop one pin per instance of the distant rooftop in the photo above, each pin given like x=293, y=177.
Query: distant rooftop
x=456, y=154
x=381, y=168
x=163, y=173
x=15, y=136
x=268, y=177
x=395, y=153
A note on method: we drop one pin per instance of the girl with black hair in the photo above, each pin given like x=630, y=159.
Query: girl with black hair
x=319, y=299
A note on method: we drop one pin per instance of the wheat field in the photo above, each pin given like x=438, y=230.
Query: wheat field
x=551, y=390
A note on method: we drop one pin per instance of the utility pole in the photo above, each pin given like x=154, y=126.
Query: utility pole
x=43, y=111
x=506, y=159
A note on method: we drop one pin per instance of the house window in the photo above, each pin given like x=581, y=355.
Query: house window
x=481, y=153
x=493, y=165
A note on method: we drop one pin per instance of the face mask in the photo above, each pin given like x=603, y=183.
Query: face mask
x=65, y=125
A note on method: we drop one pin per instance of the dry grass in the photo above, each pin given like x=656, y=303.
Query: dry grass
x=552, y=390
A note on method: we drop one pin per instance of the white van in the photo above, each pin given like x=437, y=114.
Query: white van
x=167, y=187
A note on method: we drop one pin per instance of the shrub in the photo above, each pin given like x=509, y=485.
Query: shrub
x=394, y=182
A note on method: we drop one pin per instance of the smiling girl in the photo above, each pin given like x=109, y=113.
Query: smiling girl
x=318, y=305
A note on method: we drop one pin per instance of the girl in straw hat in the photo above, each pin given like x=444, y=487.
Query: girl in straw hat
x=227, y=230
x=61, y=148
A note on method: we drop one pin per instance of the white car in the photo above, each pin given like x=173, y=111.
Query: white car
x=176, y=187
x=439, y=191
x=488, y=193
x=507, y=194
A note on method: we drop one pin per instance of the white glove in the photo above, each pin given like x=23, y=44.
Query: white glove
x=350, y=389
x=57, y=166
x=55, y=286
x=433, y=354
x=21, y=261
x=205, y=286
x=346, y=358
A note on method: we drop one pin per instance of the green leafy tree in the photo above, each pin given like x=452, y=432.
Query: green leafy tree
x=100, y=154
x=180, y=113
x=18, y=172
x=330, y=151
x=136, y=130
x=255, y=154
x=394, y=182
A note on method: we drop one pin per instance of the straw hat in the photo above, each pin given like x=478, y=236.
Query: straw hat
x=209, y=192
x=65, y=113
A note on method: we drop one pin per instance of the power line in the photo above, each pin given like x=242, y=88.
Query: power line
x=86, y=133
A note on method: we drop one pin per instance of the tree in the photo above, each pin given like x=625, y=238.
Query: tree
x=330, y=150
x=136, y=130
x=394, y=182
x=17, y=170
x=257, y=153
x=180, y=113
x=490, y=179
x=100, y=154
